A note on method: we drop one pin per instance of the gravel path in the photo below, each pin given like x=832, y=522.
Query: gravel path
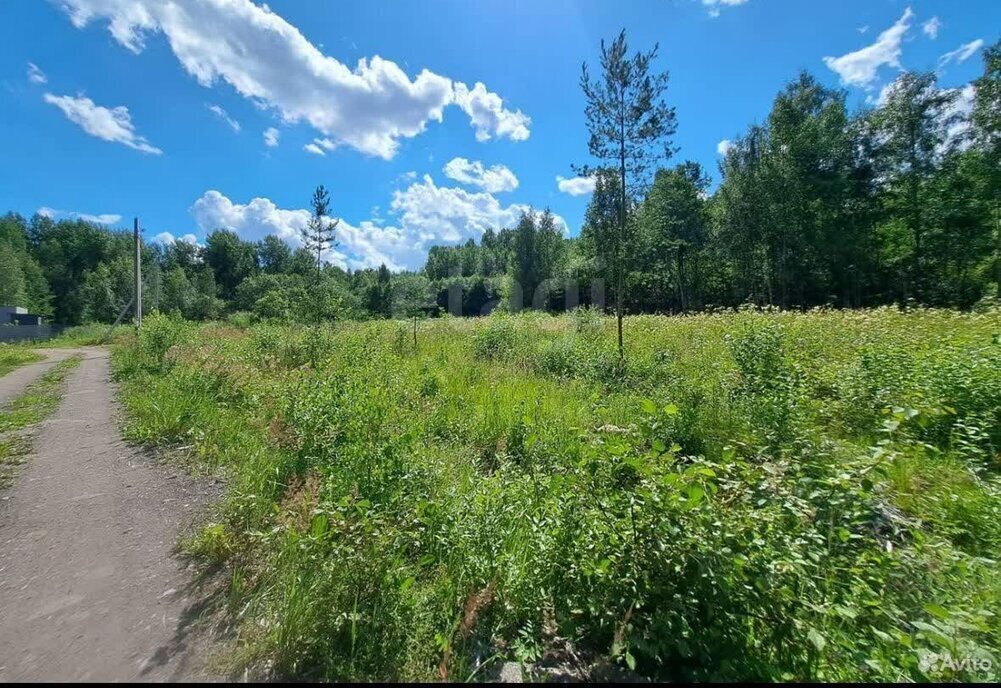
x=14, y=382
x=89, y=586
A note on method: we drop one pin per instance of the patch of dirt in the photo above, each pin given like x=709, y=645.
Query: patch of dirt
x=91, y=586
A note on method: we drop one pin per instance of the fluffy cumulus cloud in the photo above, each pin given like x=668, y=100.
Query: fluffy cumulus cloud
x=488, y=115
x=861, y=68
x=435, y=214
x=36, y=75
x=961, y=54
x=166, y=238
x=224, y=116
x=114, y=124
x=102, y=219
x=575, y=186
x=426, y=214
x=723, y=147
x=267, y=60
x=252, y=221
x=363, y=246
x=493, y=179
x=715, y=5
x=931, y=27
x=271, y=136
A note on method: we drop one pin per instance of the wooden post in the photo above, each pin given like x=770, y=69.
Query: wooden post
x=138, y=275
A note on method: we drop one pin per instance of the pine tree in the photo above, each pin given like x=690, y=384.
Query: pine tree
x=630, y=126
x=318, y=235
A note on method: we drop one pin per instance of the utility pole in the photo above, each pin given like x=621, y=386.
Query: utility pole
x=138, y=275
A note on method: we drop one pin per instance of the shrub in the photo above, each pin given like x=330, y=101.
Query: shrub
x=499, y=339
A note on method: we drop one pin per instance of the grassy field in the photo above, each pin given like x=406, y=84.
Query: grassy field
x=746, y=496
x=14, y=355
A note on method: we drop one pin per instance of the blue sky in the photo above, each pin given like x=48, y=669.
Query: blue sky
x=461, y=114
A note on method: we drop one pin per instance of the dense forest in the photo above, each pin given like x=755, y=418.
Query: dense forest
x=896, y=203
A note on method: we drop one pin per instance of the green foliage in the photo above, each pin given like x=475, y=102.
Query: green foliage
x=107, y=290
x=158, y=334
x=318, y=235
x=764, y=377
x=536, y=260
x=13, y=356
x=21, y=280
x=748, y=496
x=231, y=259
x=88, y=335
x=816, y=206
x=500, y=339
x=12, y=289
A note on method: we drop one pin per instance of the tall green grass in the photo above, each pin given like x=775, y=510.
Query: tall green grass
x=87, y=335
x=749, y=495
x=13, y=356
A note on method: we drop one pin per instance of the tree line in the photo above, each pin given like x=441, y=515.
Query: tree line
x=817, y=205
x=75, y=272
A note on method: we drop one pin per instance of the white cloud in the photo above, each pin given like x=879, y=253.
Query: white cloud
x=36, y=75
x=166, y=238
x=488, y=116
x=111, y=125
x=493, y=179
x=723, y=147
x=103, y=219
x=860, y=68
x=575, y=186
x=427, y=214
x=224, y=116
x=435, y=214
x=320, y=146
x=253, y=221
x=267, y=60
x=962, y=53
x=715, y=5
x=962, y=107
x=271, y=136
x=365, y=245
x=931, y=27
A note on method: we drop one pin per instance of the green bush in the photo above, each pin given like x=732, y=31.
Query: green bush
x=500, y=339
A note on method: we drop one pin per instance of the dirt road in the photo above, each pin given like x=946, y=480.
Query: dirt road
x=89, y=586
x=14, y=382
